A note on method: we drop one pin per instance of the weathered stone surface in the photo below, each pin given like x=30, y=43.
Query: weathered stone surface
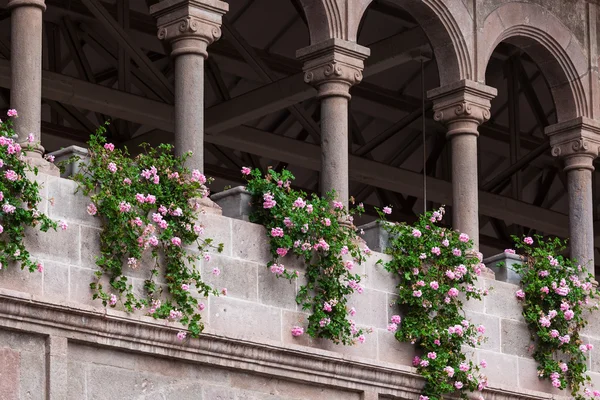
x=516, y=338
x=9, y=374
x=274, y=291
x=13, y=277
x=61, y=246
x=217, y=228
x=501, y=300
x=251, y=242
x=238, y=276
x=234, y=202
x=502, y=368
x=55, y=281
x=492, y=329
x=67, y=205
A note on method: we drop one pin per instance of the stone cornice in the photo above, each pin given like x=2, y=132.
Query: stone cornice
x=107, y=327
x=333, y=61
x=462, y=106
x=189, y=25
x=579, y=138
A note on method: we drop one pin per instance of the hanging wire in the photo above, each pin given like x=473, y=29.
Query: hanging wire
x=424, y=135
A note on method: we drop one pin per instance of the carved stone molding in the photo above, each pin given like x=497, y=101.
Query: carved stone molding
x=333, y=66
x=26, y=3
x=462, y=106
x=190, y=26
x=576, y=141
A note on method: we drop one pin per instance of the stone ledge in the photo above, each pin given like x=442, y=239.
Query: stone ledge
x=145, y=335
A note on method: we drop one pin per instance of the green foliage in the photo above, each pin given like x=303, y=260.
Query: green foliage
x=309, y=228
x=19, y=197
x=436, y=267
x=148, y=205
x=556, y=293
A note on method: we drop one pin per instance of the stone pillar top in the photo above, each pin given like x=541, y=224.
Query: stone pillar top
x=333, y=61
x=462, y=105
x=189, y=25
x=576, y=141
x=26, y=3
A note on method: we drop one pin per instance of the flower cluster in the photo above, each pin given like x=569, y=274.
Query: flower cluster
x=555, y=294
x=19, y=197
x=435, y=266
x=310, y=229
x=149, y=206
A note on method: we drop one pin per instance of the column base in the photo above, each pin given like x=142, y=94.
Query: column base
x=205, y=205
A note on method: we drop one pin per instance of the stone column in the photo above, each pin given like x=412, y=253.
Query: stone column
x=462, y=107
x=26, y=71
x=189, y=26
x=333, y=66
x=577, y=143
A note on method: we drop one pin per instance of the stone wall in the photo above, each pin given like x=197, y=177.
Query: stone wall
x=55, y=342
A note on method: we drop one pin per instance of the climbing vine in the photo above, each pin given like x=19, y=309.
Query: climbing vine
x=309, y=227
x=148, y=205
x=556, y=293
x=435, y=266
x=19, y=199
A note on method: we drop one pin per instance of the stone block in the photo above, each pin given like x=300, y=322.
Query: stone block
x=218, y=228
x=32, y=383
x=243, y=318
x=219, y=393
x=56, y=281
x=61, y=246
x=501, y=300
x=9, y=374
x=375, y=236
x=274, y=291
x=376, y=275
x=250, y=242
x=64, y=154
x=502, y=265
x=516, y=338
x=14, y=278
x=90, y=246
x=492, y=329
x=101, y=356
x=501, y=369
x=68, y=205
x=371, y=308
x=235, y=202
x=238, y=276
x=80, y=292
x=474, y=304
x=391, y=350
x=529, y=379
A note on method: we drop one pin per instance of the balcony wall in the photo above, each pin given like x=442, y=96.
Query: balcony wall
x=55, y=342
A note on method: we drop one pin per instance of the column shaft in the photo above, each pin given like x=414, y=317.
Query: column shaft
x=465, y=197
x=334, y=147
x=26, y=70
x=189, y=108
x=581, y=221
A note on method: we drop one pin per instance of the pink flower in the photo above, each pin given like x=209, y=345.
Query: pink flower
x=40, y=267
x=569, y=314
x=296, y=330
x=153, y=240
x=590, y=346
x=449, y=370
x=432, y=355
x=453, y=292
x=421, y=397
x=63, y=225
x=12, y=112
x=198, y=176
x=348, y=265
x=395, y=319
x=299, y=203
x=387, y=210
x=282, y=252
x=483, y=364
x=422, y=256
x=181, y=335
x=436, y=251
x=424, y=363
x=91, y=209
x=362, y=339
x=127, y=181
x=457, y=252
x=556, y=383
x=277, y=269
x=309, y=208
x=554, y=333
x=437, y=342
x=416, y=361
x=112, y=167
x=352, y=312
x=224, y=291
x=543, y=273
x=545, y=290
x=327, y=222
x=392, y=327
x=417, y=293
x=201, y=306
x=109, y=146
x=30, y=138
x=434, y=285
x=176, y=241
x=1, y=195
x=288, y=222
x=11, y=175
x=545, y=322
x=520, y=294
x=463, y=237
x=124, y=207
x=445, y=243
x=151, y=199
x=198, y=229
x=481, y=329
x=185, y=287
x=1, y=229
x=420, y=283
x=327, y=307
x=247, y=171
x=416, y=233
x=338, y=205
x=277, y=232
x=458, y=385
x=509, y=251
x=528, y=240
x=113, y=300
x=450, y=274
x=268, y=201
x=216, y=271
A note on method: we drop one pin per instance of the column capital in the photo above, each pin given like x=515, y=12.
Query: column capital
x=576, y=141
x=462, y=106
x=190, y=26
x=333, y=66
x=26, y=3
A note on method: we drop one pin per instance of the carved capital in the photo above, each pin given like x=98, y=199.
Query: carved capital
x=333, y=66
x=576, y=141
x=12, y=4
x=462, y=106
x=190, y=26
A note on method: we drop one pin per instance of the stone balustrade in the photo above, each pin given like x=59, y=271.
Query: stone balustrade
x=56, y=342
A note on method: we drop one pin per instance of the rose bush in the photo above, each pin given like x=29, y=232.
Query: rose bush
x=435, y=267
x=149, y=207
x=309, y=227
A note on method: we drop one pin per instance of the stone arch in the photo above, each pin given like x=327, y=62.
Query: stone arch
x=329, y=19
x=555, y=49
x=449, y=31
